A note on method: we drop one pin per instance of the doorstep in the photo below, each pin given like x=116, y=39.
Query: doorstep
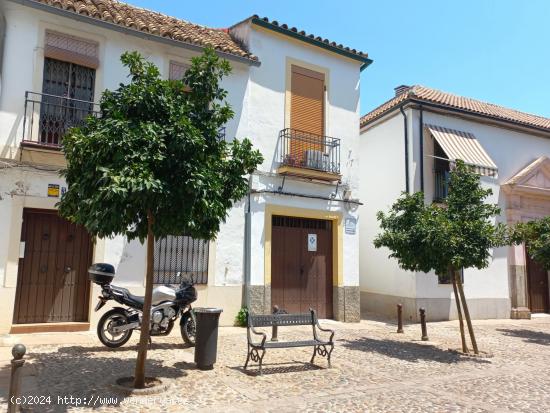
x=48, y=328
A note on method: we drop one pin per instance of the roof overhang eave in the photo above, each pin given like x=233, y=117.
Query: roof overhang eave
x=412, y=101
x=267, y=25
x=133, y=32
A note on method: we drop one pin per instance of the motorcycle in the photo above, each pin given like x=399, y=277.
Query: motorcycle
x=115, y=327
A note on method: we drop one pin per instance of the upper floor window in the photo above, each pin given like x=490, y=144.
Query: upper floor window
x=177, y=70
x=450, y=145
x=67, y=98
x=67, y=93
x=304, y=144
x=307, y=101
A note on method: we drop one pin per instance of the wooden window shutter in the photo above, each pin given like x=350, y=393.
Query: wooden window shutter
x=307, y=103
x=71, y=49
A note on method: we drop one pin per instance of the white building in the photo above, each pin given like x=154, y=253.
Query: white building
x=406, y=145
x=296, y=96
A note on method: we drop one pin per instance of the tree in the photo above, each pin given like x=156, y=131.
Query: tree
x=153, y=164
x=536, y=235
x=445, y=238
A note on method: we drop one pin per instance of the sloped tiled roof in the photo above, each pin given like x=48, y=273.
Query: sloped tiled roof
x=150, y=22
x=311, y=38
x=424, y=94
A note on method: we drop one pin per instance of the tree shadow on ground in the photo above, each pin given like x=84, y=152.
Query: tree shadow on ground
x=529, y=336
x=408, y=351
x=278, y=368
x=74, y=371
x=104, y=349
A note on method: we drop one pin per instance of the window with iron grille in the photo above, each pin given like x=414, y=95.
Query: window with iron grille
x=67, y=98
x=183, y=254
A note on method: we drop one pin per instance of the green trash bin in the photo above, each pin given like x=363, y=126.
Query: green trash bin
x=206, y=339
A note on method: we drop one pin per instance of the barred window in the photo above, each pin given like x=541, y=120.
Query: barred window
x=183, y=254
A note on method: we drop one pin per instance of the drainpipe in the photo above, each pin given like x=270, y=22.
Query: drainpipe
x=421, y=134
x=406, y=149
x=247, y=245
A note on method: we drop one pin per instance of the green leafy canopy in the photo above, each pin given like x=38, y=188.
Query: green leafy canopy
x=156, y=146
x=459, y=234
x=536, y=235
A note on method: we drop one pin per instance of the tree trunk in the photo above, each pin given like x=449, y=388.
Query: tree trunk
x=139, y=375
x=459, y=310
x=466, y=313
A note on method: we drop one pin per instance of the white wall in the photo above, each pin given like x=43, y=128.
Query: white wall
x=256, y=94
x=383, y=179
x=263, y=116
x=382, y=171
x=24, y=44
x=511, y=151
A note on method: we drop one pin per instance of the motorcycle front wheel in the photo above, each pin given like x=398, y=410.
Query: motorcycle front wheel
x=105, y=333
x=188, y=328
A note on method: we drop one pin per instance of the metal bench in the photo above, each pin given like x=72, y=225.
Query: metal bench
x=256, y=350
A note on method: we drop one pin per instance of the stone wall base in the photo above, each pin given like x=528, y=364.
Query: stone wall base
x=346, y=304
x=437, y=309
x=522, y=313
x=259, y=299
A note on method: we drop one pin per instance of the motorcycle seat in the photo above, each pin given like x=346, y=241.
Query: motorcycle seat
x=129, y=298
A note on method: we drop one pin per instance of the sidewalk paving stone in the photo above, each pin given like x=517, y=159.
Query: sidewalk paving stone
x=374, y=370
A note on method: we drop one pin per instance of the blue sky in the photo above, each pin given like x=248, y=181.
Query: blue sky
x=493, y=50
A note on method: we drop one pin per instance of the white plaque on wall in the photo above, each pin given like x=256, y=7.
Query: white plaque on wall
x=351, y=225
x=312, y=242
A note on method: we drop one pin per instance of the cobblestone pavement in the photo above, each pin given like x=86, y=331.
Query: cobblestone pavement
x=374, y=370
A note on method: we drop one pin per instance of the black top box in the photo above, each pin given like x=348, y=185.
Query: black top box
x=101, y=273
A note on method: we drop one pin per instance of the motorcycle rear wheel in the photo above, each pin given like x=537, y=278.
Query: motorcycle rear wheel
x=188, y=329
x=113, y=318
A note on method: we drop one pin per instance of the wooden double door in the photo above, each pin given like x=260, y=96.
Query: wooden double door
x=537, y=283
x=52, y=282
x=301, y=265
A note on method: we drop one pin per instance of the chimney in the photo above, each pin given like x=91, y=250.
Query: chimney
x=399, y=90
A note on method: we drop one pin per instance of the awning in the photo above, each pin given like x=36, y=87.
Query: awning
x=464, y=145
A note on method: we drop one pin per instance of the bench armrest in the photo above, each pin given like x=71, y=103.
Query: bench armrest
x=326, y=330
x=259, y=333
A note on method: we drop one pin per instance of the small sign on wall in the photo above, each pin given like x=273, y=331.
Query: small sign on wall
x=53, y=190
x=351, y=225
x=312, y=242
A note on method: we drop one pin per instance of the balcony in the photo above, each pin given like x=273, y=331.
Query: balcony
x=308, y=155
x=47, y=120
x=441, y=185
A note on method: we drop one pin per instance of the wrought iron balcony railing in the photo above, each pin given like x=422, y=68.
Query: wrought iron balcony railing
x=441, y=185
x=48, y=118
x=306, y=150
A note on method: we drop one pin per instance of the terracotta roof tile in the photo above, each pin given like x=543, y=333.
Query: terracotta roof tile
x=419, y=93
x=147, y=21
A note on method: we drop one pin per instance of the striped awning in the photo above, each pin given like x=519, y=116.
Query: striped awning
x=464, y=146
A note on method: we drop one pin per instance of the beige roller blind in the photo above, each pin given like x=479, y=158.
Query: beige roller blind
x=307, y=103
x=307, y=115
